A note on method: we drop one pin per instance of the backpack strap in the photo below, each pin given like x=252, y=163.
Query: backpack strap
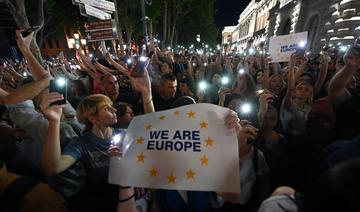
x=12, y=196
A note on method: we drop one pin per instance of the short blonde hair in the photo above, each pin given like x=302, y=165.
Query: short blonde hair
x=90, y=106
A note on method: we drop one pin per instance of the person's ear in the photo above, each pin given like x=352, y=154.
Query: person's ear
x=93, y=119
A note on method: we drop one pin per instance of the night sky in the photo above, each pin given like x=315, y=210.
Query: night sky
x=227, y=12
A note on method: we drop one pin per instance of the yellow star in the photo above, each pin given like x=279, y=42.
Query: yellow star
x=162, y=117
x=140, y=140
x=171, y=179
x=141, y=158
x=153, y=172
x=148, y=127
x=203, y=125
x=191, y=114
x=190, y=174
x=209, y=142
x=177, y=113
x=204, y=160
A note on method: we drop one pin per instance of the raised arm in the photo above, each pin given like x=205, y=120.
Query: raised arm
x=324, y=59
x=142, y=84
x=37, y=70
x=337, y=87
x=291, y=82
x=52, y=160
x=25, y=92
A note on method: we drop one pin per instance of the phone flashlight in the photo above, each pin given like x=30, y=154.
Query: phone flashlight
x=61, y=82
x=225, y=80
x=302, y=44
x=24, y=74
x=194, y=64
x=205, y=64
x=259, y=92
x=245, y=108
x=242, y=71
x=128, y=61
x=143, y=59
x=116, y=139
x=203, y=85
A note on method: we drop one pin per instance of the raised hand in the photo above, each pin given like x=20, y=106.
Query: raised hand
x=52, y=112
x=352, y=58
x=23, y=42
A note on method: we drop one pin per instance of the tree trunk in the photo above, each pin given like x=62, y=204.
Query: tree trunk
x=165, y=23
x=18, y=12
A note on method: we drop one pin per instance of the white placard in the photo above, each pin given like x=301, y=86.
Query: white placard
x=187, y=148
x=281, y=47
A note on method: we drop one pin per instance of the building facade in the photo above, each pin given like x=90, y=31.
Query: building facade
x=328, y=22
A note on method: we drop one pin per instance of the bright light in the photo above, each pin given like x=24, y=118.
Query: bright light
x=225, y=80
x=116, y=139
x=205, y=64
x=72, y=41
x=302, y=44
x=124, y=46
x=202, y=85
x=128, y=61
x=206, y=46
x=343, y=48
x=61, y=82
x=143, y=59
x=91, y=55
x=251, y=51
x=308, y=53
x=245, y=108
x=169, y=48
x=76, y=35
x=242, y=71
x=114, y=29
x=144, y=46
x=24, y=74
x=83, y=41
x=148, y=43
x=194, y=64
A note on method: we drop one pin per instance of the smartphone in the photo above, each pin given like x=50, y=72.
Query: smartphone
x=300, y=52
x=26, y=32
x=140, y=66
x=59, y=85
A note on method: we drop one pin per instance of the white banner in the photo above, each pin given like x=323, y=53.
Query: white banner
x=281, y=47
x=187, y=148
x=101, y=4
x=96, y=12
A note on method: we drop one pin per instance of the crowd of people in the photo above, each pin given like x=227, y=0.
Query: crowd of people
x=296, y=123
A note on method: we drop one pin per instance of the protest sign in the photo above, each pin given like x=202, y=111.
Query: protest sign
x=281, y=47
x=187, y=148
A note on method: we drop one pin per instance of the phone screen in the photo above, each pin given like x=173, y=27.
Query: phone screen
x=59, y=85
x=139, y=69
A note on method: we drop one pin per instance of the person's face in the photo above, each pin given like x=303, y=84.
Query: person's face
x=303, y=91
x=270, y=119
x=184, y=88
x=276, y=83
x=127, y=117
x=165, y=68
x=106, y=116
x=111, y=85
x=168, y=89
x=305, y=79
x=216, y=79
x=259, y=77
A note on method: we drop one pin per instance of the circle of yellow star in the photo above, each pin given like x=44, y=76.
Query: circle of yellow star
x=204, y=160
x=190, y=174
x=162, y=117
x=177, y=113
x=191, y=114
x=153, y=172
x=141, y=158
x=140, y=140
x=203, y=125
x=209, y=142
x=171, y=179
x=148, y=127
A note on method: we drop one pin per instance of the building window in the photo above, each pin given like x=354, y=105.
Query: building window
x=287, y=27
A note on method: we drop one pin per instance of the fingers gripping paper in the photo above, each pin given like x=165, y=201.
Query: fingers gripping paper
x=187, y=148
